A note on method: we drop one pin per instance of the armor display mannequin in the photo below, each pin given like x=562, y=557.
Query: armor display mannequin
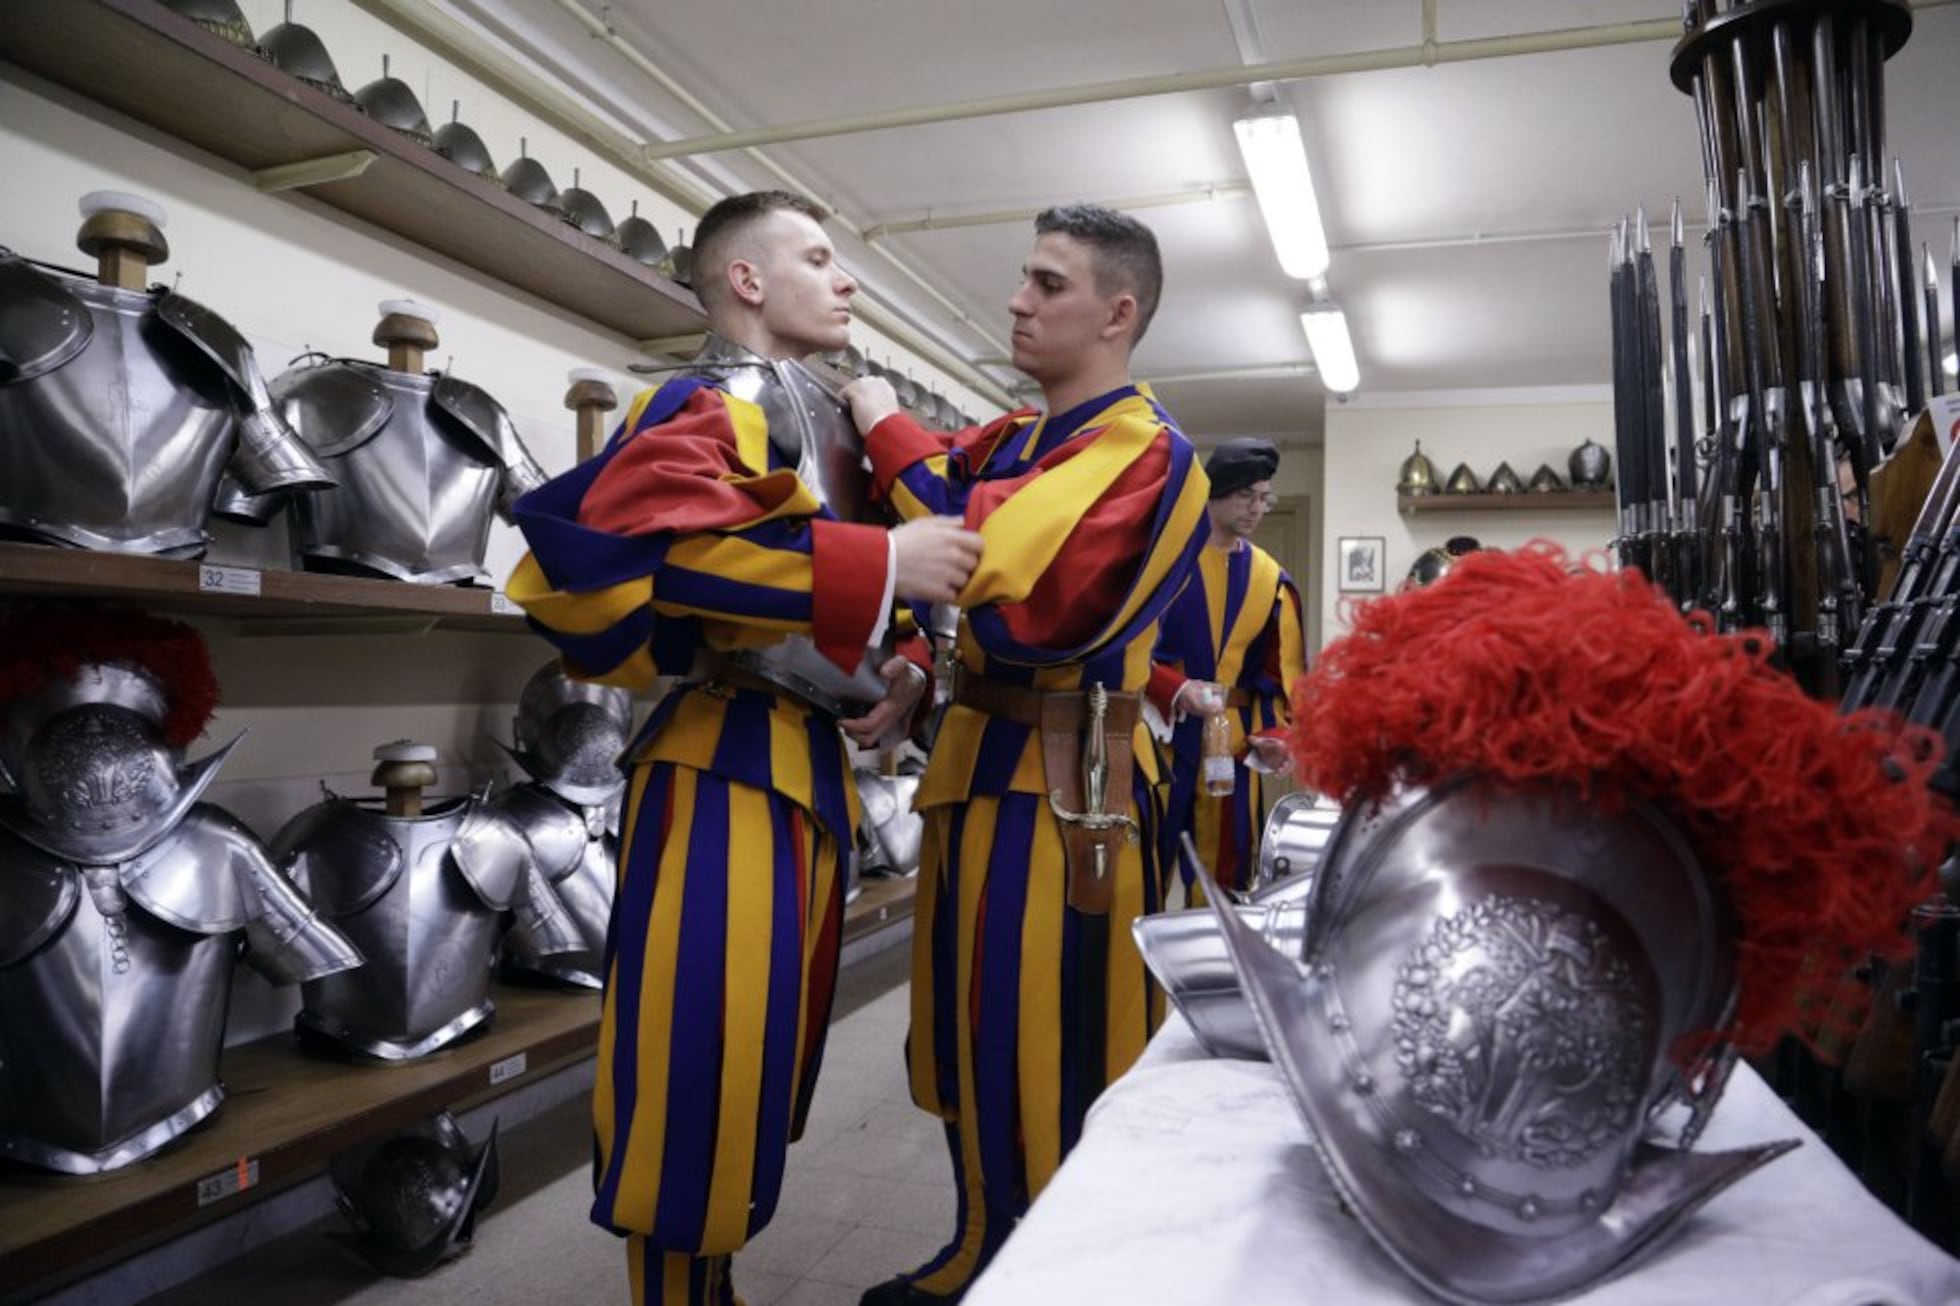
x=120, y=407
x=422, y=893
x=123, y=897
x=422, y=461
x=568, y=736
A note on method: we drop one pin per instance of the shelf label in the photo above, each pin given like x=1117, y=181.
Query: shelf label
x=502, y=606
x=508, y=1068
x=223, y=1184
x=227, y=580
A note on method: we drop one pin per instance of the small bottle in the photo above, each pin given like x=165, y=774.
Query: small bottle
x=1217, y=767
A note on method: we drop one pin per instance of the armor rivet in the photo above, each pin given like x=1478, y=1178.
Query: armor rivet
x=1338, y=1022
x=1528, y=1209
x=1588, y=1200
x=1407, y=1140
x=1364, y=1083
x=1467, y=1186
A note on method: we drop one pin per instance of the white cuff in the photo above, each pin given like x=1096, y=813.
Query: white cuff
x=891, y=592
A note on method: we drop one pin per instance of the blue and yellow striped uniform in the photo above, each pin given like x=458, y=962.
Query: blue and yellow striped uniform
x=686, y=534
x=1237, y=623
x=1022, y=1008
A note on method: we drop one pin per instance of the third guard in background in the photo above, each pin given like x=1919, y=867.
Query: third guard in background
x=1233, y=643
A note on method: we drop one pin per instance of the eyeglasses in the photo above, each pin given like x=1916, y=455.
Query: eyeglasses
x=1248, y=496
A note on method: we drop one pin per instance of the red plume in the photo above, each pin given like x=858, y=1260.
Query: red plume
x=42, y=644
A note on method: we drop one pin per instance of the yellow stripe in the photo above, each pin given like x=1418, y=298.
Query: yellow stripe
x=586, y=613
x=745, y=1013
x=918, y=1047
x=1041, y=1001
x=731, y=557
x=1127, y=1022
x=1261, y=585
x=638, y=406
x=639, y=1176
x=602, y=1088
x=751, y=432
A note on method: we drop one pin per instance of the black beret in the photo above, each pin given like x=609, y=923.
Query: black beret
x=1241, y=461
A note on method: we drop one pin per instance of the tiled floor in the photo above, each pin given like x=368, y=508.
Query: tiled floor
x=868, y=1193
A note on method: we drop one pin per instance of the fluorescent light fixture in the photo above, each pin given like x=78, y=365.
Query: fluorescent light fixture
x=1277, y=162
x=1333, y=351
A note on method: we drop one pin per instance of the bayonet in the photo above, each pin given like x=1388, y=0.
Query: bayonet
x=1908, y=315
x=1935, y=365
x=1686, y=589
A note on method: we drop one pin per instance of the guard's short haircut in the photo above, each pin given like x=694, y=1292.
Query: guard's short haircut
x=714, y=238
x=1126, y=257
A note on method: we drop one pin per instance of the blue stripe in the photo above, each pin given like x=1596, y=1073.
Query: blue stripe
x=626, y=938
x=997, y=977
x=597, y=654
x=946, y=961
x=695, y=1051
x=780, y=1081
x=700, y=589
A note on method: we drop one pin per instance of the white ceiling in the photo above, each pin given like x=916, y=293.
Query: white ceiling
x=1466, y=203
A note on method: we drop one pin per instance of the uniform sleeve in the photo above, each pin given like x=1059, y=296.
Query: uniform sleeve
x=923, y=473
x=673, y=521
x=1286, y=658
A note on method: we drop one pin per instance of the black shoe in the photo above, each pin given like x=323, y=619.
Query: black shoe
x=901, y=1292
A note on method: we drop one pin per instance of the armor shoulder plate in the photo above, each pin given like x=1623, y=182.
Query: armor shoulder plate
x=42, y=324
x=485, y=419
x=216, y=338
x=335, y=407
x=188, y=879
x=492, y=855
x=556, y=833
x=341, y=856
x=38, y=894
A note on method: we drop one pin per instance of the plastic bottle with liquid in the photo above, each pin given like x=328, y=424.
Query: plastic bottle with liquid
x=1216, y=769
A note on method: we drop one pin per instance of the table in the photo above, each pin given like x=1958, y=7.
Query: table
x=1195, y=1183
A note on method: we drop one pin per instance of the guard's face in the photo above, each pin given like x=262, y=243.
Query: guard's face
x=806, y=293
x=1058, y=314
x=1241, y=511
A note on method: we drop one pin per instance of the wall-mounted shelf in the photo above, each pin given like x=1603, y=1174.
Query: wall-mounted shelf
x=144, y=60
x=285, y=1113
x=1554, y=501
x=33, y=571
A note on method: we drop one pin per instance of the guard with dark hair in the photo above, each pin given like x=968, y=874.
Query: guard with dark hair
x=721, y=537
x=1028, y=992
x=1233, y=643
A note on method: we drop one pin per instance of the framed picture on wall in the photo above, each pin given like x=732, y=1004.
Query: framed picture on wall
x=1362, y=561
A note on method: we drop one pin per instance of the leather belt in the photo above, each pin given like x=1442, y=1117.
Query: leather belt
x=731, y=671
x=1239, y=698
x=1088, y=757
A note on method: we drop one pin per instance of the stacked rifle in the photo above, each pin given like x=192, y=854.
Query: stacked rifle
x=1814, y=355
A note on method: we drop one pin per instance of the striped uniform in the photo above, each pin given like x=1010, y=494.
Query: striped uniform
x=686, y=533
x=1023, y=1009
x=1237, y=623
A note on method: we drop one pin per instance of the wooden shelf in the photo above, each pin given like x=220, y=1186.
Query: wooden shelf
x=285, y=1111
x=1555, y=501
x=301, y=600
x=884, y=903
x=144, y=60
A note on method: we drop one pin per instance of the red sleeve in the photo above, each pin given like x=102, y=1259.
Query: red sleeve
x=682, y=475
x=1165, y=681
x=847, y=586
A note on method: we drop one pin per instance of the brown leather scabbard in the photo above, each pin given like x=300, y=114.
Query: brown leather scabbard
x=1094, y=828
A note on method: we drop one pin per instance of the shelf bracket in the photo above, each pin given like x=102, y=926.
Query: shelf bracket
x=314, y=172
x=681, y=346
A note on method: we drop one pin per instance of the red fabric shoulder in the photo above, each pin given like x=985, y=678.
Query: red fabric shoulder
x=681, y=475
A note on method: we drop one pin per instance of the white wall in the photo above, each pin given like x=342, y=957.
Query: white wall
x=1368, y=438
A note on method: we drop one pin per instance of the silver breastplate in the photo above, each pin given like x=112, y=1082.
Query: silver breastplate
x=422, y=461
x=117, y=417
x=422, y=898
x=576, y=850
x=114, y=983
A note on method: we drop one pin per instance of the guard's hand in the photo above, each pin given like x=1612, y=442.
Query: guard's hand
x=1199, y=698
x=1270, y=755
x=935, y=556
x=885, y=724
x=871, y=399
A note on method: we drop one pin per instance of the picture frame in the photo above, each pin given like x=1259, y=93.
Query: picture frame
x=1363, y=564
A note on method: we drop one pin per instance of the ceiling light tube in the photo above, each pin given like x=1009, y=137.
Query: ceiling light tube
x=1333, y=350
x=1276, y=160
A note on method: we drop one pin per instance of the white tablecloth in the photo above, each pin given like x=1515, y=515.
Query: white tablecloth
x=1194, y=1183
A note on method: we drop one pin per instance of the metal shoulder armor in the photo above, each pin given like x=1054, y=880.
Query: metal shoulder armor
x=42, y=325
x=486, y=419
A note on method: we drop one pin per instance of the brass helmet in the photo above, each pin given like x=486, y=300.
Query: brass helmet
x=458, y=142
x=1545, y=480
x=298, y=52
x=1462, y=481
x=582, y=209
x=1505, y=481
x=219, y=16
x=389, y=102
x=1418, y=474
x=639, y=240
x=1590, y=466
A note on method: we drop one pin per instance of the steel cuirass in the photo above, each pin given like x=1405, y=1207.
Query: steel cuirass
x=120, y=412
x=422, y=461
x=812, y=432
x=122, y=900
x=568, y=736
x=423, y=898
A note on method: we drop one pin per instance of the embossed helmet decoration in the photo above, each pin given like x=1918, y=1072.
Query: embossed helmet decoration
x=413, y=1197
x=1587, y=849
x=95, y=710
